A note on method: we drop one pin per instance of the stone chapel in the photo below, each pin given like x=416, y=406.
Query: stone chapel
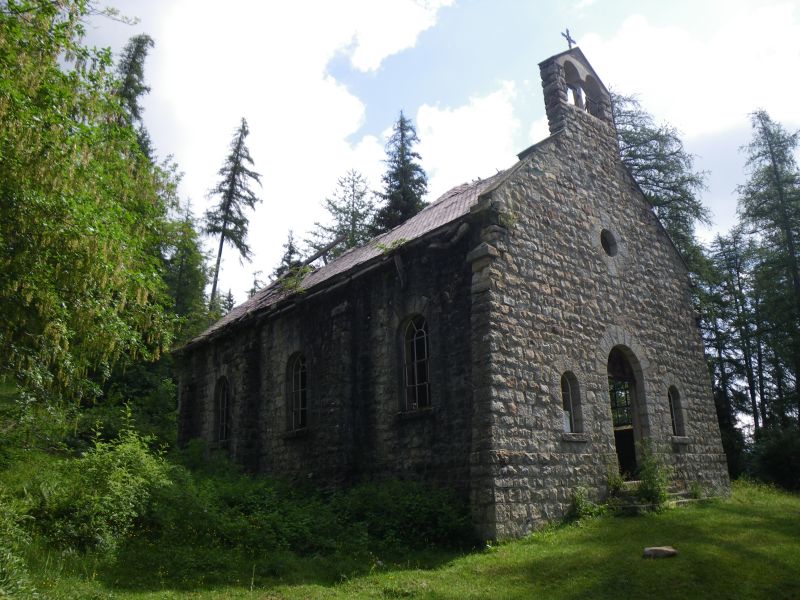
x=516, y=339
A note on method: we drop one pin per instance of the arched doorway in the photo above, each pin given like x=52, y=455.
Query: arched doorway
x=623, y=394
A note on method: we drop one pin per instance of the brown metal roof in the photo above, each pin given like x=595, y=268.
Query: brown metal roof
x=449, y=207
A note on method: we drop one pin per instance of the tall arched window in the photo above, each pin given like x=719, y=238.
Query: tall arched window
x=298, y=402
x=676, y=416
x=222, y=411
x=416, y=359
x=571, y=402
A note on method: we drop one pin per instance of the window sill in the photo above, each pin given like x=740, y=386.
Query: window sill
x=581, y=438
x=680, y=440
x=415, y=415
x=296, y=434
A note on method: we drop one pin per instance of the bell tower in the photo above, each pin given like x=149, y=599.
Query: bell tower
x=570, y=84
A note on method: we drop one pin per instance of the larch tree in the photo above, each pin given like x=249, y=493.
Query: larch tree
x=186, y=274
x=130, y=70
x=658, y=161
x=227, y=219
x=405, y=182
x=291, y=259
x=769, y=202
x=351, y=211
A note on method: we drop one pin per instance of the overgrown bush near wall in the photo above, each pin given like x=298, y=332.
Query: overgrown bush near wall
x=654, y=477
x=407, y=514
x=223, y=507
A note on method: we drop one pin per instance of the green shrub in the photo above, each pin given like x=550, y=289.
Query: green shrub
x=224, y=507
x=93, y=501
x=776, y=457
x=14, y=580
x=582, y=507
x=614, y=480
x=654, y=477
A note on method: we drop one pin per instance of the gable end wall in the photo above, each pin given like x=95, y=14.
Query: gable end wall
x=560, y=303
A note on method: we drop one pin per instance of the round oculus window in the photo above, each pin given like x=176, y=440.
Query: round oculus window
x=609, y=242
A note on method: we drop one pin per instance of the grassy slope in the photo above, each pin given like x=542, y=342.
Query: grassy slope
x=744, y=547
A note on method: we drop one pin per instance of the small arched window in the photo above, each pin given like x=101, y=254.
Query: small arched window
x=298, y=400
x=676, y=416
x=416, y=359
x=571, y=403
x=222, y=411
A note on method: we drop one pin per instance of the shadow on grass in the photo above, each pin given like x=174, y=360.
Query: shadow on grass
x=147, y=566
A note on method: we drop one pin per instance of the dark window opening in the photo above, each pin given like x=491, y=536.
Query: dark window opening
x=570, y=400
x=416, y=362
x=222, y=411
x=676, y=417
x=298, y=398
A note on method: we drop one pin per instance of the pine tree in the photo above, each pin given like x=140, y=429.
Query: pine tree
x=770, y=203
x=228, y=302
x=186, y=273
x=664, y=170
x=405, y=182
x=291, y=258
x=131, y=73
x=227, y=219
x=351, y=211
x=257, y=284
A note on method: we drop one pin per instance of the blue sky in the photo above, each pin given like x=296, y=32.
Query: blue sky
x=321, y=82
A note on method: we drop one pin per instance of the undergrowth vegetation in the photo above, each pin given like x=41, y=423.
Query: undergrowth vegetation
x=129, y=509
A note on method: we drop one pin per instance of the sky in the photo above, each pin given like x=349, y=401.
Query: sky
x=321, y=82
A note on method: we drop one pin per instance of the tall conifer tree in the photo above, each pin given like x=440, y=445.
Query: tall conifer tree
x=227, y=219
x=405, y=182
x=351, y=211
x=132, y=86
x=662, y=167
x=291, y=259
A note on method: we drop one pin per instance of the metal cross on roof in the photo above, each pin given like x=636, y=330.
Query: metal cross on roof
x=569, y=39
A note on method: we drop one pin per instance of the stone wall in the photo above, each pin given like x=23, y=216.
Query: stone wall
x=351, y=337
x=560, y=303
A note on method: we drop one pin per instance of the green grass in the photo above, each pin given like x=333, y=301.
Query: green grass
x=747, y=546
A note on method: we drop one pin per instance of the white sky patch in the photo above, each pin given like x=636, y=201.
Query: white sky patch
x=707, y=84
x=387, y=27
x=582, y=5
x=216, y=66
x=539, y=130
x=460, y=144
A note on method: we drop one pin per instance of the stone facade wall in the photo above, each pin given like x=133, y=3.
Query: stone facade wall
x=351, y=337
x=560, y=303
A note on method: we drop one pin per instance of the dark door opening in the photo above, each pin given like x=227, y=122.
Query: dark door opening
x=622, y=392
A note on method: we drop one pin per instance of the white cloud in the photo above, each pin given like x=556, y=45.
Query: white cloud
x=460, y=144
x=709, y=81
x=385, y=28
x=267, y=62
